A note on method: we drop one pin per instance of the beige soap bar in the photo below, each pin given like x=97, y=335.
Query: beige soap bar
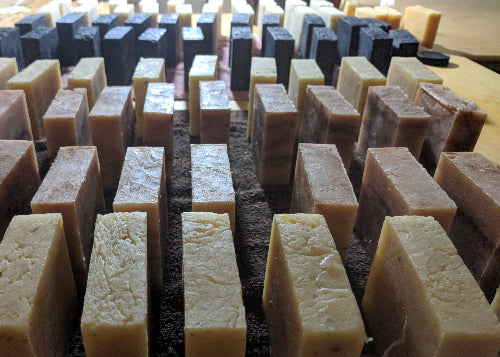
x=38, y=301
x=331, y=16
x=142, y=188
x=422, y=23
x=115, y=311
x=215, y=113
x=290, y=6
x=14, y=118
x=211, y=180
x=124, y=11
x=8, y=69
x=321, y=186
x=297, y=23
x=89, y=11
x=185, y=12
x=393, y=16
x=171, y=4
x=19, y=179
x=330, y=119
x=214, y=315
x=40, y=81
x=51, y=12
x=73, y=188
x=309, y=306
x=420, y=299
x=395, y=184
x=89, y=73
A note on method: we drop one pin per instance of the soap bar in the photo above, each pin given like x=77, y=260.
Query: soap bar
x=267, y=21
x=241, y=54
x=192, y=37
x=326, y=191
x=324, y=50
x=392, y=16
x=330, y=119
x=14, y=119
x=404, y=44
x=153, y=43
x=142, y=188
x=8, y=69
x=276, y=10
x=215, y=8
x=318, y=4
x=140, y=22
x=10, y=45
x=331, y=16
x=112, y=4
x=422, y=23
x=115, y=311
x=38, y=302
x=238, y=20
x=170, y=22
x=290, y=6
x=87, y=42
x=215, y=113
x=40, y=81
x=395, y=184
x=420, y=299
x=310, y=22
x=118, y=50
x=299, y=12
x=73, y=188
x=112, y=131
x=151, y=8
x=376, y=45
x=105, y=23
x=349, y=7
x=495, y=304
x=51, y=12
x=89, y=11
x=185, y=12
x=367, y=11
x=124, y=11
x=30, y=23
x=214, y=314
x=261, y=11
x=40, y=43
x=207, y=24
x=274, y=112
x=172, y=5
x=392, y=119
x=307, y=300
x=89, y=74
x=279, y=44
x=348, y=34
x=212, y=184
x=67, y=27
x=19, y=179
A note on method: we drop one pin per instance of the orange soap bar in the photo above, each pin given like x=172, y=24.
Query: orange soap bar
x=422, y=23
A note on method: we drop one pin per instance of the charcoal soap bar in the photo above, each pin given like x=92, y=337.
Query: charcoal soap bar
x=348, y=35
x=207, y=24
x=40, y=43
x=237, y=20
x=279, y=44
x=241, y=53
x=106, y=23
x=140, y=22
x=67, y=27
x=309, y=23
x=324, y=50
x=10, y=45
x=152, y=43
x=170, y=22
x=118, y=50
x=268, y=21
x=193, y=45
x=87, y=42
x=376, y=45
x=404, y=44
x=373, y=22
x=30, y=23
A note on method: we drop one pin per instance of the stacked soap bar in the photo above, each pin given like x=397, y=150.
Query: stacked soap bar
x=215, y=113
x=89, y=74
x=14, y=119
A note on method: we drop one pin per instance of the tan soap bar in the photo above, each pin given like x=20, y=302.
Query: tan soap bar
x=392, y=119
x=408, y=72
x=355, y=76
x=297, y=23
x=115, y=311
x=420, y=299
x=211, y=180
x=392, y=16
x=214, y=315
x=395, y=184
x=330, y=119
x=185, y=12
x=215, y=113
x=274, y=113
x=309, y=306
x=158, y=126
x=73, y=188
x=14, y=118
x=51, y=12
x=321, y=186
x=66, y=121
x=111, y=128
x=40, y=81
x=19, y=179
x=422, y=23
x=142, y=188
x=38, y=301
x=495, y=304
x=89, y=73
x=8, y=69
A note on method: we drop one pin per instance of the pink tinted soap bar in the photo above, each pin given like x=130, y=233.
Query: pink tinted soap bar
x=14, y=118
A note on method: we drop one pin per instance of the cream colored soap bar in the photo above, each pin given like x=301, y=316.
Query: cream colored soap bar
x=89, y=11
x=89, y=73
x=115, y=311
x=51, y=12
x=40, y=81
x=420, y=299
x=14, y=118
x=215, y=113
x=422, y=23
x=321, y=186
x=331, y=16
x=8, y=69
x=214, y=315
x=290, y=6
x=124, y=11
x=393, y=16
x=38, y=301
x=309, y=306
x=73, y=188
x=171, y=4
x=298, y=21
x=142, y=188
x=185, y=12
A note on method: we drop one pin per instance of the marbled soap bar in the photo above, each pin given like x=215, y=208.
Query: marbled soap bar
x=422, y=23
x=215, y=113
x=89, y=73
x=14, y=119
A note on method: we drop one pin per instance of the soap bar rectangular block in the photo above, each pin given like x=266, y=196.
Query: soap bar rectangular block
x=241, y=55
x=170, y=22
x=392, y=16
x=404, y=44
x=376, y=45
x=140, y=22
x=324, y=51
x=289, y=11
x=89, y=12
x=124, y=11
x=267, y=21
x=422, y=23
x=14, y=119
x=420, y=299
x=214, y=8
x=331, y=16
x=115, y=311
x=10, y=45
x=185, y=12
x=299, y=13
x=105, y=23
x=348, y=34
x=89, y=74
x=51, y=12
x=8, y=69
x=207, y=24
x=310, y=22
x=192, y=38
x=214, y=315
x=279, y=44
x=153, y=43
x=215, y=113
x=67, y=27
x=40, y=43
x=307, y=300
x=118, y=50
x=87, y=42
x=30, y=23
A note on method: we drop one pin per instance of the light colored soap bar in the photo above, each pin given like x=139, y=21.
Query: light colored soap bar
x=298, y=21
x=142, y=188
x=214, y=315
x=318, y=4
x=51, y=12
x=349, y=7
x=331, y=16
x=495, y=304
x=124, y=11
x=115, y=311
x=261, y=10
x=321, y=186
x=38, y=301
x=89, y=11
x=112, y=131
x=307, y=300
x=171, y=4
x=355, y=76
x=366, y=11
x=213, y=7
x=8, y=69
x=212, y=184
x=185, y=12
x=393, y=16
x=330, y=119
x=215, y=113
x=420, y=299
x=40, y=81
x=89, y=73
x=114, y=3
x=422, y=23
x=151, y=8
x=14, y=118
x=290, y=6
x=19, y=179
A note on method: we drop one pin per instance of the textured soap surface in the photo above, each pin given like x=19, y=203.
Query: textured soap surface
x=89, y=73
x=14, y=119
x=215, y=113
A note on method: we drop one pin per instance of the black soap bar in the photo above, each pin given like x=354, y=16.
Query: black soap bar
x=106, y=22
x=206, y=22
x=324, y=50
x=30, y=23
x=88, y=42
x=118, y=50
x=309, y=23
x=237, y=20
x=192, y=38
x=170, y=22
x=280, y=44
x=140, y=22
x=152, y=43
x=268, y=21
x=376, y=45
x=348, y=35
x=404, y=44
x=371, y=21
x=67, y=27
x=41, y=43
x=241, y=46
x=10, y=45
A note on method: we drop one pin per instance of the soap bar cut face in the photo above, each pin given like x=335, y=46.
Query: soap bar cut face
x=420, y=299
x=114, y=320
x=214, y=315
x=321, y=186
x=308, y=302
x=215, y=113
x=89, y=74
x=38, y=301
x=422, y=23
x=14, y=118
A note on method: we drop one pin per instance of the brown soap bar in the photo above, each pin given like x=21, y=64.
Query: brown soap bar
x=321, y=186
x=215, y=113
x=14, y=119
x=390, y=118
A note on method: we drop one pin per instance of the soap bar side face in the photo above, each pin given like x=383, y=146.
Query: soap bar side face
x=8, y=69
x=14, y=119
x=422, y=23
x=215, y=113
x=89, y=73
